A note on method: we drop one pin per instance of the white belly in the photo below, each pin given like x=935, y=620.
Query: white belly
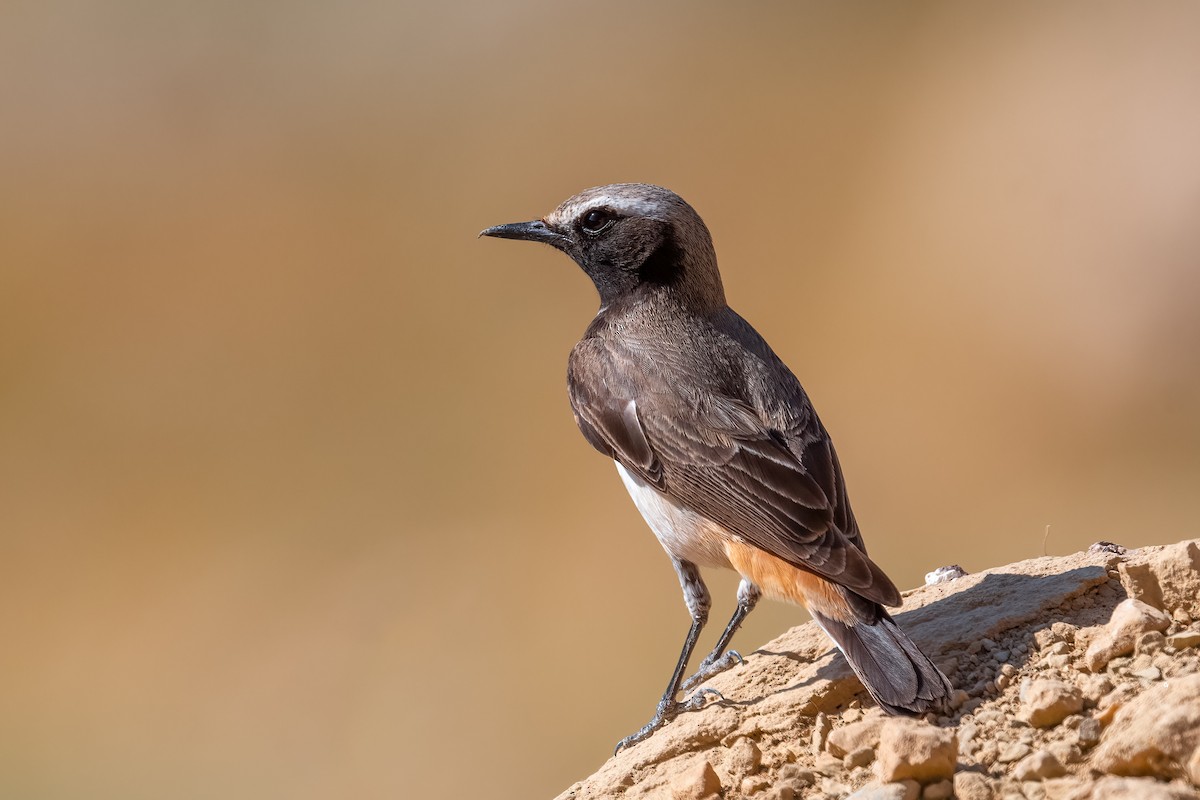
x=683, y=533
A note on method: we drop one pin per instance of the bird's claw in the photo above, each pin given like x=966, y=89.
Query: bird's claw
x=697, y=700
x=665, y=713
x=712, y=666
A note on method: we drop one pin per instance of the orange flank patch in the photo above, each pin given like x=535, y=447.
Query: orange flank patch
x=779, y=580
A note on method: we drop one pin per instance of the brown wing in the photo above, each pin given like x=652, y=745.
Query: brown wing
x=779, y=490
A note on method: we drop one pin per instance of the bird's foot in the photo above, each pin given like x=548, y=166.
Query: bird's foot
x=667, y=711
x=710, y=666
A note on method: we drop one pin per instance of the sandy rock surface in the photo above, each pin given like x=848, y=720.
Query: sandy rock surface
x=1078, y=678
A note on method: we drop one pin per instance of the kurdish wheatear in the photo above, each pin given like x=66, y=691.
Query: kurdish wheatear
x=718, y=444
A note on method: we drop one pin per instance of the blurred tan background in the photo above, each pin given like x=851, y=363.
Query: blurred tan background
x=291, y=500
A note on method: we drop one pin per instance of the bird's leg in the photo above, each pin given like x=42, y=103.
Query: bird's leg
x=721, y=659
x=695, y=594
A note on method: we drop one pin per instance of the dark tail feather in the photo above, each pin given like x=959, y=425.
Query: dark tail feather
x=898, y=675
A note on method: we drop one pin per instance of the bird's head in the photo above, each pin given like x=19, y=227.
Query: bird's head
x=631, y=237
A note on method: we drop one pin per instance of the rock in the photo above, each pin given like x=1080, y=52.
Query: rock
x=1193, y=767
x=908, y=790
x=1110, y=788
x=1184, y=639
x=942, y=790
x=1176, y=570
x=1088, y=732
x=1095, y=687
x=1140, y=582
x=752, y=784
x=1032, y=790
x=966, y=737
x=1061, y=788
x=827, y=764
x=1155, y=733
x=821, y=728
x=1038, y=767
x=1045, y=703
x=915, y=750
x=1013, y=752
x=1130, y=619
x=795, y=777
x=700, y=782
x=1147, y=673
x=1149, y=642
x=848, y=738
x=1065, y=752
x=972, y=786
x=1168, y=579
x=743, y=758
x=859, y=758
x=796, y=684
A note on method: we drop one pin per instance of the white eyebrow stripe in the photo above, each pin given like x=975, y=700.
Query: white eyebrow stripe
x=623, y=203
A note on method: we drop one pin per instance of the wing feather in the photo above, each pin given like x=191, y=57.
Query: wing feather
x=780, y=490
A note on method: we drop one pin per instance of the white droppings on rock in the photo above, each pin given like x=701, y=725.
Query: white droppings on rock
x=944, y=574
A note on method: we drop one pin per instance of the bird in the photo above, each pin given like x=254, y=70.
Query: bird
x=718, y=445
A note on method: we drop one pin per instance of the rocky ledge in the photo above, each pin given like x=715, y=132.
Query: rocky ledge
x=1079, y=679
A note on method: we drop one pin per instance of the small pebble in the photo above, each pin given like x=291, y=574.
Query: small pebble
x=859, y=758
x=1149, y=674
x=942, y=790
x=1013, y=752
x=1184, y=639
x=1149, y=642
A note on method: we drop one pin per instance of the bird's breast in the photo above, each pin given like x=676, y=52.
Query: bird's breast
x=683, y=533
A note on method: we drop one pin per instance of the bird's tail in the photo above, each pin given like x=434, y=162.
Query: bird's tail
x=898, y=675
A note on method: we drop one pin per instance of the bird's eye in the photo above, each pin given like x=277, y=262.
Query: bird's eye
x=595, y=221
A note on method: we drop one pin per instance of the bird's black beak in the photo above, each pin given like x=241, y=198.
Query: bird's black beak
x=536, y=231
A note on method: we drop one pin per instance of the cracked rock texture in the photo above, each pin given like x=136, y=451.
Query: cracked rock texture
x=1078, y=679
